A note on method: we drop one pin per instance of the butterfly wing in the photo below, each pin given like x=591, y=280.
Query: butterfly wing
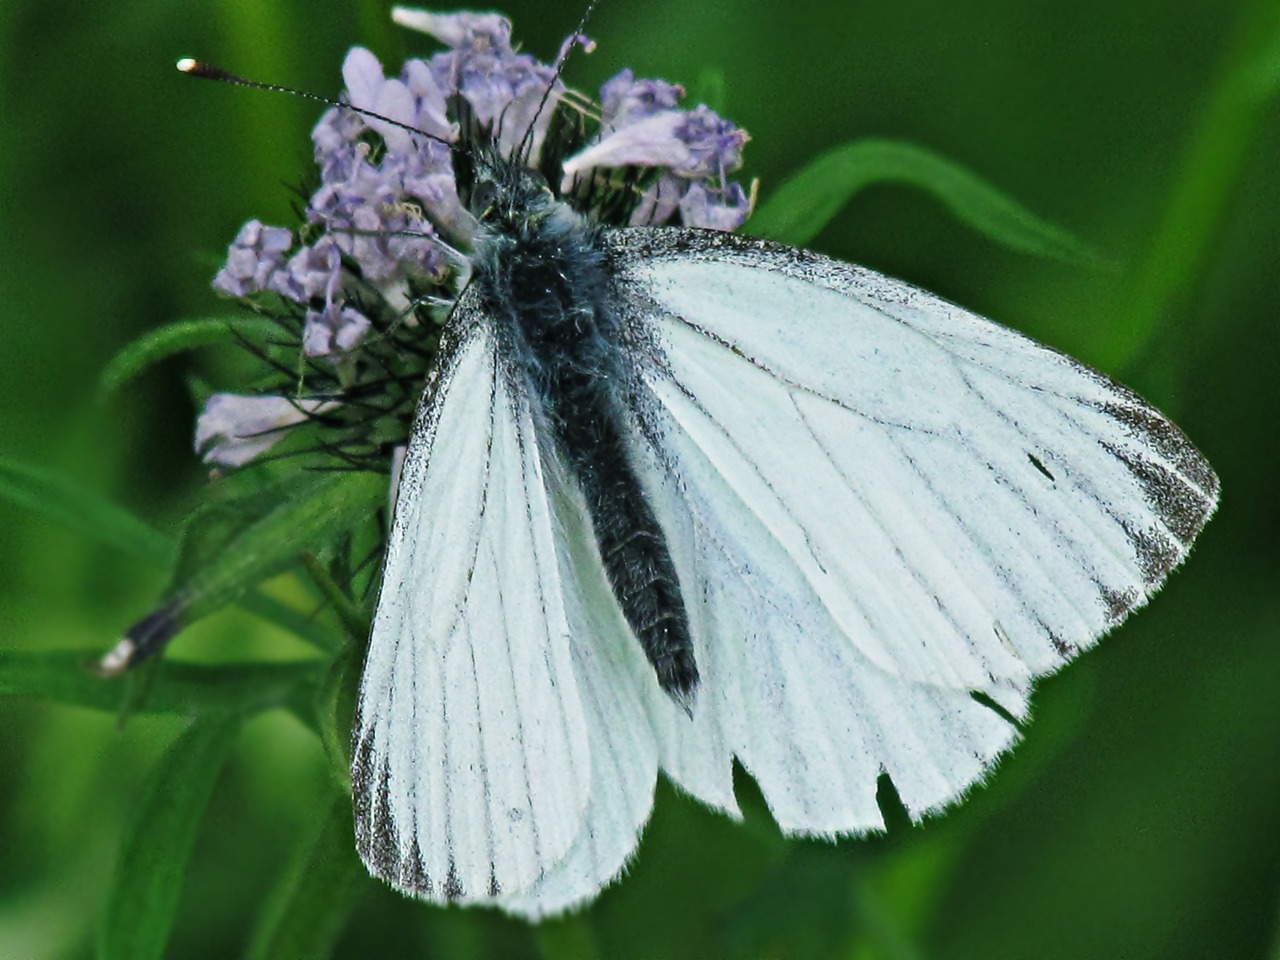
x=618, y=689
x=890, y=504
x=471, y=763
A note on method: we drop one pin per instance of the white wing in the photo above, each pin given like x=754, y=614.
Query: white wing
x=618, y=688
x=472, y=759
x=890, y=504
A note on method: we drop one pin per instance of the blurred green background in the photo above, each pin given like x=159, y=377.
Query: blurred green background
x=1140, y=817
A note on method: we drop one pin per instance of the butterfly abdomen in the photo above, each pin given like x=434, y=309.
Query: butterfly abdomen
x=544, y=279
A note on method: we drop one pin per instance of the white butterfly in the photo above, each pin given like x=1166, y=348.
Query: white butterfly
x=878, y=511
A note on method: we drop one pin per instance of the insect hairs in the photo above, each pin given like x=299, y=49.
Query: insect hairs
x=541, y=274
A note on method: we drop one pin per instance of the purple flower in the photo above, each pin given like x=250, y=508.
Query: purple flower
x=475, y=31
x=333, y=330
x=387, y=236
x=253, y=259
x=624, y=99
x=312, y=272
x=503, y=87
x=726, y=209
x=642, y=126
x=233, y=429
x=692, y=144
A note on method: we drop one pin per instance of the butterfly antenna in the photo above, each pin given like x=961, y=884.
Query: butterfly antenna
x=526, y=142
x=196, y=68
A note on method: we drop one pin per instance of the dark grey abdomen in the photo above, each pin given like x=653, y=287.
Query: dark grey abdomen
x=551, y=298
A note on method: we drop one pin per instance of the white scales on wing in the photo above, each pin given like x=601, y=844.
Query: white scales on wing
x=878, y=504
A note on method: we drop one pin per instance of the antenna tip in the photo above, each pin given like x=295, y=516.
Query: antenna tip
x=188, y=65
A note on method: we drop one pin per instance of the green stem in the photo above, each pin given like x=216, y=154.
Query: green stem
x=349, y=615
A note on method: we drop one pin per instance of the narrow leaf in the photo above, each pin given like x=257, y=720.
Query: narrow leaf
x=807, y=202
x=67, y=502
x=320, y=508
x=307, y=912
x=64, y=676
x=174, y=338
x=158, y=841
x=294, y=621
x=236, y=545
x=1236, y=115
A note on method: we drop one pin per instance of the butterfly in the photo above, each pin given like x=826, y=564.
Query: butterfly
x=675, y=498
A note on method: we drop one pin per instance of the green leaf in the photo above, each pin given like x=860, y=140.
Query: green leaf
x=307, y=911
x=231, y=507
x=65, y=676
x=158, y=841
x=808, y=201
x=349, y=615
x=63, y=500
x=235, y=543
x=1236, y=115
x=292, y=620
x=67, y=502
x=335, y=708
x=174, y=338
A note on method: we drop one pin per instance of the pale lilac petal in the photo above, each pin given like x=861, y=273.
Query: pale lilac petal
x=660, y=201
x=253, y=259
x=651, y=142
x=333, y=330
x=234, y=428
x=312, y=272
x=430, y=100
x=699, y=207
x=458, y=30
x=714, y=144
x=362, y=74
x=624, y=99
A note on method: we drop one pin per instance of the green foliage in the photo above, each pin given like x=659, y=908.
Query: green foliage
x=1138, y=817
x=175, y=338
x=66, y=677
x=158, y=841
x=63, y=500
x=316, y=894
x=235, y=542
x=805, y=203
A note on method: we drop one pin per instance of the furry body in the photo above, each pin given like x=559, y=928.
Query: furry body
x=542, y=276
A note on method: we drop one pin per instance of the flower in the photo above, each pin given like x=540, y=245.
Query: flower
x=253, y=259
x=384, y=246
x=233, y=429
x=333, y=330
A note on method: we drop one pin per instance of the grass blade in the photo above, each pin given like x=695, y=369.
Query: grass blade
x=175, y=338
x=309, y=908
x=233, y=545
x=158, y=841
x=63, y=676
x=63, y=500
x=808, y=201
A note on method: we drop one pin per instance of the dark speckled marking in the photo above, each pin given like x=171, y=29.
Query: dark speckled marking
x=1180, y=506
x=453, y=888
x=1170, y=442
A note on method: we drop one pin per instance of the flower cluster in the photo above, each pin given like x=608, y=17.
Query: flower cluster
x=361, y=286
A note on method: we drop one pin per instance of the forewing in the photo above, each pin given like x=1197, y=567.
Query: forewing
x=893, y=503
x=471, y=761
